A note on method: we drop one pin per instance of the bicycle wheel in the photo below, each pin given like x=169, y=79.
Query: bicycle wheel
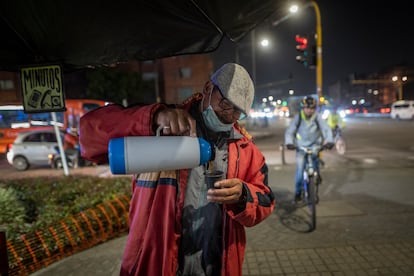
x=340, y=146
x=311, y=201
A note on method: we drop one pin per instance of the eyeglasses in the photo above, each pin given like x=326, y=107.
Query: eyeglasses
x=229, y=108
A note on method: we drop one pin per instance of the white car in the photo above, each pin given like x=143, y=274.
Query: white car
x=32, y=148
x=402, y=110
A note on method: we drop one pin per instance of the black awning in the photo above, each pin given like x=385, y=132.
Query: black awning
x=79, y=34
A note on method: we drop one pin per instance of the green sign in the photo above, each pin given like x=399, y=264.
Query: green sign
x=42, y=89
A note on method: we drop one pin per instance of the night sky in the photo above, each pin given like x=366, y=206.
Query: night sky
x=357, y=37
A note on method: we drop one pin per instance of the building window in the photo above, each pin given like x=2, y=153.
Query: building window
x=184, y=93
x=149, y=76
x=185, y=72
x=148, y=62
x=6, y=85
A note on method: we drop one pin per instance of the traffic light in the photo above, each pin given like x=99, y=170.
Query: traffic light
x=312, y=59
x=302, y=48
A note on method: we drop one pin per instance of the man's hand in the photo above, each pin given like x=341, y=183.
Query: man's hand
x=329, y=146
x=176, y=122
x=226, y=191
x=290, y=146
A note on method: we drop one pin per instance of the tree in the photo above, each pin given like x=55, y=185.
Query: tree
x=115, y=85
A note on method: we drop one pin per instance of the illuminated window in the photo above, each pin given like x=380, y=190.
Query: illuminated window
x=6, y=84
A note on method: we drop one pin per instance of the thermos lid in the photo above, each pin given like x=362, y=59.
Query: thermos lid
x=116, y=155
x=205, y=151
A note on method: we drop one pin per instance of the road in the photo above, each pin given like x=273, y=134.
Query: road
x=378, y=146
x=366, y=195
x=379, y=160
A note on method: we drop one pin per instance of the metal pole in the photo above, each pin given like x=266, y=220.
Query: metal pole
x=282, y=154
x=253, y=38
x=318, y=49
x=156, y=80
x=318, y=44
x=60, y=144
x=237, y=57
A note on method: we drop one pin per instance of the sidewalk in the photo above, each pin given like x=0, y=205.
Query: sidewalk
x=346, y=242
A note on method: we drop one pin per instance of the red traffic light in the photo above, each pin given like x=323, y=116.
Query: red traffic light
x=303, y=43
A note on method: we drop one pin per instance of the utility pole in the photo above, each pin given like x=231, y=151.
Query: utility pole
x=318, y=50
x=303, y=45
x=253, y=38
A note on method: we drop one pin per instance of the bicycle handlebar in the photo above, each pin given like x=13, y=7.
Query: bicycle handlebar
x=308, y=149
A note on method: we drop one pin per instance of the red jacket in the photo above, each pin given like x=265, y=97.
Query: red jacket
x=156, y=210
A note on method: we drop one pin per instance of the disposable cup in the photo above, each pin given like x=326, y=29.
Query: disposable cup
x=211, y=177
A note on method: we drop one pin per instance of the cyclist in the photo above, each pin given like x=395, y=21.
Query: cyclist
x=335, y=122
x=307, y=129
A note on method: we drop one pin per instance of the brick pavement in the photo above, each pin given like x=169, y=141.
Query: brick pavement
x=357, y=236
x=335, y=248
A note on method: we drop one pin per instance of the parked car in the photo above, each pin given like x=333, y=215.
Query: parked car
x=32, y=148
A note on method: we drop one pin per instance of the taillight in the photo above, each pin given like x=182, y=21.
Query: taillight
x=9, y=147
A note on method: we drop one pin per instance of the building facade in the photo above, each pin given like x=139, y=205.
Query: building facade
x=375, y=90
x=9, y=88
x=175, y=78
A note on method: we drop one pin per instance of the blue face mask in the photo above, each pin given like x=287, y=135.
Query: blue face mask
x=212, y=121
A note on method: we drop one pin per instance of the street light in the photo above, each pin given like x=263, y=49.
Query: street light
x=399, y=82
x=318, y=49
x=294, y=9
x=253, y=41
x=265, y=42
x=253, y=54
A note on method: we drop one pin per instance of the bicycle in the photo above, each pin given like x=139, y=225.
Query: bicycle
x=310, y=185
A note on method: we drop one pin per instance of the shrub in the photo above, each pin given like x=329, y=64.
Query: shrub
x=34, y=203
x=12, y=211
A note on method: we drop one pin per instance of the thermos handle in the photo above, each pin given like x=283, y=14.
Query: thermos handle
x=158, y=132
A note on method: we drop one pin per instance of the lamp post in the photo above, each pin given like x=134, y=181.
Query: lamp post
x=318, y=49
x=400, y=83
x=293, y=9
x=253, y=41
x=253, y=54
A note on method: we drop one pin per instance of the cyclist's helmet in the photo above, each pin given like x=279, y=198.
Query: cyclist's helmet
x=309, y=102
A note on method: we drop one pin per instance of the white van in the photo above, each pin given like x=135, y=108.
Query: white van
x=402, y=110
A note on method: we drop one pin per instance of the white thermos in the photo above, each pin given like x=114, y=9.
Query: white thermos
x=137, y=154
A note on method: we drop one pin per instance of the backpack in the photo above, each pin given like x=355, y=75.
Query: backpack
x=300, y=121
